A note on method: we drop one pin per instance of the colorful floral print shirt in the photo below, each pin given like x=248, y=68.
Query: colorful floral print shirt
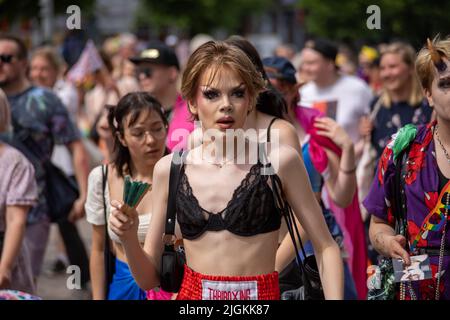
x=422, y=192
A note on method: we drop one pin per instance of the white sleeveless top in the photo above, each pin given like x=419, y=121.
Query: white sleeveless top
x=94, y=206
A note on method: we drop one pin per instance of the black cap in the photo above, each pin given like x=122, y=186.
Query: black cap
x=325, y=47
x=158, y=53
x=280, y=68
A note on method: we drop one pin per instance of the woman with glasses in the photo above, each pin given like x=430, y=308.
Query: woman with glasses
x=139, y=129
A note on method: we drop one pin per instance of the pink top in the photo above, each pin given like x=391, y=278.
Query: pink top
x=180, y=126
x=349, y=219
x=17, y=187
x=18, y=184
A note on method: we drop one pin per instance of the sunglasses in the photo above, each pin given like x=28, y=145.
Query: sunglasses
x=147, y=72
x=6, y=58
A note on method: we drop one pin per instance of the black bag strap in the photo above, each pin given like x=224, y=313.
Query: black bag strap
x=289, y=217
x=400, y=206
x=104, y=182
x=107, y=250
x=175, y=169
x=2, y=240
x=270, y=127
x=283, y=206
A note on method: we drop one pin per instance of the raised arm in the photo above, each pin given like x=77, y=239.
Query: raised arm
x=144, y=262
x=300, y=196
x=341, y=184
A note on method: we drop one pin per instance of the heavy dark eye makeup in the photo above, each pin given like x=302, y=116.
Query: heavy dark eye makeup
x=240, y=93
x=213, y=93
x=444, y=83
x=210, y=94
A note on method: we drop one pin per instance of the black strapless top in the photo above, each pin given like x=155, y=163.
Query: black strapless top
x=250, y=211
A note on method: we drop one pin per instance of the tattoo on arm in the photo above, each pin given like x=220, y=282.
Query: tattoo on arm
x=379, y=240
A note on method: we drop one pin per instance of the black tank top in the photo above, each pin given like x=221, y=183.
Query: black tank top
x=250, y=211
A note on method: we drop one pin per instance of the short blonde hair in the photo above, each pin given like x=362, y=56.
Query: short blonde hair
x=5, y=113
x=49, y=54
x=408, y=55
x=218, y=55
x=424, y=65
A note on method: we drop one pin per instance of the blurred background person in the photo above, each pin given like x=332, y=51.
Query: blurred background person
x=18, y=193
x=285, y=50
x=344, y=98
x=39, y=121
x=327, y=150
x=369, y=68
x=157, y=69
x=401, y=100
x=45, y=71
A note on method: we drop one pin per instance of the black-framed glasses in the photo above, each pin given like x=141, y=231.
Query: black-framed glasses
x=146, y=71
x=6, y=58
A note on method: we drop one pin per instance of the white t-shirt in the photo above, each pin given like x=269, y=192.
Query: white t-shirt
x=346, y=101
x=68, y=94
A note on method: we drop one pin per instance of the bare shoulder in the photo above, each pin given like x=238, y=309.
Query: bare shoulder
x=279, y=123
x=284, y=126
x=162, y=168
x=285, y=133
x=284, y=158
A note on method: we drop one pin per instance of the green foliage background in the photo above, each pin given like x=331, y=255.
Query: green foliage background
x=200, y=16
x=411, y=20
x=23, y=9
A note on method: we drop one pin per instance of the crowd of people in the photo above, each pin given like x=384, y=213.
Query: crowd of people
x=354, y=148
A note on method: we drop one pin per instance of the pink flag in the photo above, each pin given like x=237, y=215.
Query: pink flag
x=88, y=62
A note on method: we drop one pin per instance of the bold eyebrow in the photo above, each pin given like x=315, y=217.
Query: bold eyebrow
x=444, y=78
x=235, y=88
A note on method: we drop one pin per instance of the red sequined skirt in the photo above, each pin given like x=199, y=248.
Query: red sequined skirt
x=197, y=286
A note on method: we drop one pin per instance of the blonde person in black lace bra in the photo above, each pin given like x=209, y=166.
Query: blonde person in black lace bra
x=225, y=208
x=139, y=129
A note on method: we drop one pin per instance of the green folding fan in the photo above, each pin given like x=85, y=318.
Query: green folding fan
x=134, y=191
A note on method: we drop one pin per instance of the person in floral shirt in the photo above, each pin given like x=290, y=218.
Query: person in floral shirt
x=426, y=183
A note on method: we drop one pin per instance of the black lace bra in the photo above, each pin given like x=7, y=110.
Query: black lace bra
x=250, y=211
